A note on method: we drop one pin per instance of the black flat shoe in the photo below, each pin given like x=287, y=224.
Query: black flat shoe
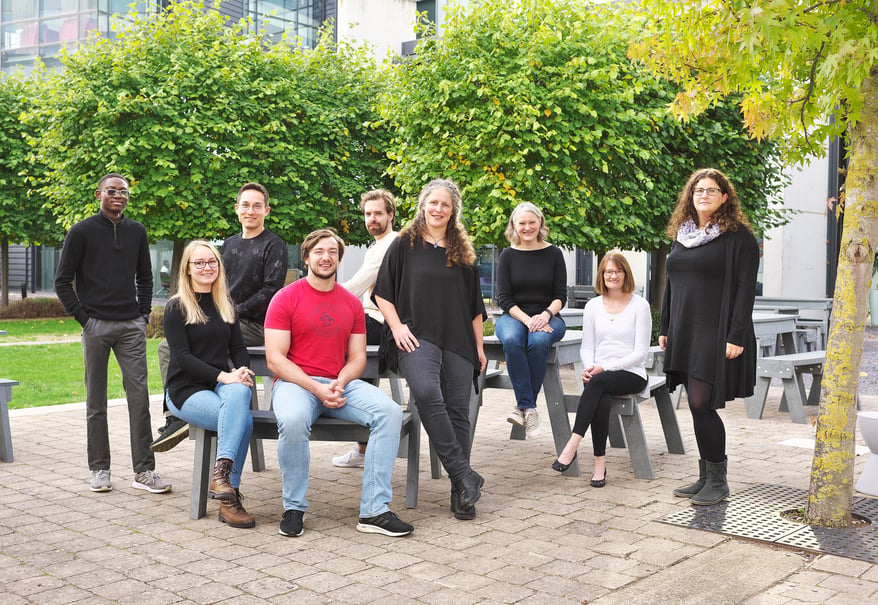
x=600, y=482
x=563, y=467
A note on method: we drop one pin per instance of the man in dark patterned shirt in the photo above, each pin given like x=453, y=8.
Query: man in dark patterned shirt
x=256, y=267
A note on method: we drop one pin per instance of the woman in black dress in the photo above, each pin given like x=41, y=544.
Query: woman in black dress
x=707, y=324
x=428, y=291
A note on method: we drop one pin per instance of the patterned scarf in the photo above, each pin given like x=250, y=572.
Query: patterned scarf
x=691, y=236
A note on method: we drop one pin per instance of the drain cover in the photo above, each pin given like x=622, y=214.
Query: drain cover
x=755, y=513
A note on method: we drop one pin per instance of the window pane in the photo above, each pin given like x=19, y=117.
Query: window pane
x=51, y=8
x=19, y=9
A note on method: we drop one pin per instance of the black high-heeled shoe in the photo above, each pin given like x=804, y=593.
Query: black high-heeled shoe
x=563, y=467
x=600, y=482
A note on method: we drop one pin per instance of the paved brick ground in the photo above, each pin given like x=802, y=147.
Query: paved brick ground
x=538, y=538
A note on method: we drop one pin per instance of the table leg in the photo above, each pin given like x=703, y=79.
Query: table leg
x=558, y=418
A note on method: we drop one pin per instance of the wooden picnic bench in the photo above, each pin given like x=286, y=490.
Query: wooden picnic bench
x=323, y=429
x=625, y=414
x=578, y=295
x=812, y=317
x=790, y=369
x=5, y=430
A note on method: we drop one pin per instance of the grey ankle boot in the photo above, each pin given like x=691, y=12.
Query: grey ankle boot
x=687, y=491
x=715, y=488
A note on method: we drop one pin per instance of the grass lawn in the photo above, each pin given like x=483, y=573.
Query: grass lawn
x=31, y=330
x=50, y=374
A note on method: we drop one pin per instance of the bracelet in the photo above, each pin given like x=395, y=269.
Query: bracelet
x=549, y=311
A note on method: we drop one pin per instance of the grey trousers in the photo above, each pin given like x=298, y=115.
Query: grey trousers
x=127, y=340
x=442, y=383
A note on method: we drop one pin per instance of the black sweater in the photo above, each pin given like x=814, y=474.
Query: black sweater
x=110, y=263
x=256, y=269
x=708, y=303
x=531, y=279
x=199, y=352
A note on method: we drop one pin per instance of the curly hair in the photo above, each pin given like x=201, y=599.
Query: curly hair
x=459, y=250
x=728, y=216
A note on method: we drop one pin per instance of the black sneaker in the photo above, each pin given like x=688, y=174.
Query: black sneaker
x=174, y=431
x=291, y=524
x=385, y=523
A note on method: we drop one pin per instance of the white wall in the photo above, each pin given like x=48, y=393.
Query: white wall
x=385, y=24
x=794, y=256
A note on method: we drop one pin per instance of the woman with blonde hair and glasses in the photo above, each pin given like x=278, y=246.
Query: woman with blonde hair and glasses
x=616, y=328
x=203, y=334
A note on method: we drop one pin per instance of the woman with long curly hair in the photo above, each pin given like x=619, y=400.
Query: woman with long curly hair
x=203, y=334
x=707, y=317
x=428, y=291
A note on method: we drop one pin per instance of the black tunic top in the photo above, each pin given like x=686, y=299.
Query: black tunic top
x=438, y=303
x=708, y=303
x=199, y=352
x=531, y=279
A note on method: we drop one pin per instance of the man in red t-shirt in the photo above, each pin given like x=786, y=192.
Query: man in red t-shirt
x=315, y=342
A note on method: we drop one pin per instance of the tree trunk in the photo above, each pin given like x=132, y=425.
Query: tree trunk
x=176, y=257
x=660, y=277
x=832, y=471
x=4, y=272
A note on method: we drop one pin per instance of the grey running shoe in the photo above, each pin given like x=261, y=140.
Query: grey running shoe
x=531, y=423
x=151, y=482
x=516, y=416
x=100, y=481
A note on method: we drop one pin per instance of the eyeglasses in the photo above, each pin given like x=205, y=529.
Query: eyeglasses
x=200, y=264
x=710, y=192
x=114, y=192
x=611, y=273
x=256, y=207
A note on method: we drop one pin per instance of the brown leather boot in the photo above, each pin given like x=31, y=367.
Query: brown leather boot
x=220, y=488
x=233, y=513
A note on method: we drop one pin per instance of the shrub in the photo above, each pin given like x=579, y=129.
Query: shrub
x=156, y=327
x=33, y=308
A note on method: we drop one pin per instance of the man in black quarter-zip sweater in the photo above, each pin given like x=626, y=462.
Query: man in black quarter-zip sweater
x=104, y=280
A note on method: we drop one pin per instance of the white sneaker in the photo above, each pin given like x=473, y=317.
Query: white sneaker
x=516, y=416
x=100, y=481
x=351, y=459
x=151, y=482
x=531, y=423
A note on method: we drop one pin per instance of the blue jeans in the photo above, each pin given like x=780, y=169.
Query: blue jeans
x=526, y=354
x=226, y=410
x=297, y=408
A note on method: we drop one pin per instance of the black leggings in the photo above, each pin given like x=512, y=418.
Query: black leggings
x=596, y=400
x=710, y=433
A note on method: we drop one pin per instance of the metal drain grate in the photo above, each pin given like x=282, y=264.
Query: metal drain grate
x=755, y=513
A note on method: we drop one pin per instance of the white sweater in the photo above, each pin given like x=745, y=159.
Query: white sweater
x=363, y=281
x=616, y=342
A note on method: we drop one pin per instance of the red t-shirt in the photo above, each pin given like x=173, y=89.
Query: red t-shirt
x=319, y=323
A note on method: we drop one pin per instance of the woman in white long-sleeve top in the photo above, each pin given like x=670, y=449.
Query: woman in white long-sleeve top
x=616, y=329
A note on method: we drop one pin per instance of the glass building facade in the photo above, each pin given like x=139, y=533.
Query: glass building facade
x=39, y=28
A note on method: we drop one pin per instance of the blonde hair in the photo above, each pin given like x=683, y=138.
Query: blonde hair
x=512, y=235
x=600, y=285
x=187, y=297
x=459, y=250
